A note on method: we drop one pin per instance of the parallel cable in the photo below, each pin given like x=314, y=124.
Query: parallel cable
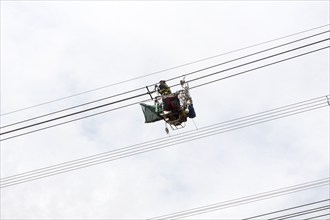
x=244, y=200
x=164, y=70
x=255, y=53
x=253, y=69
x=187, y=74
x=301, y=213
x=203, y=84
x=287, y=209
x=242, y=122
x=264, y=58
x=74, y=113
x=73, y=120
x=73, y=107
x=310, y=102
x=318, y=216
x=140, y=101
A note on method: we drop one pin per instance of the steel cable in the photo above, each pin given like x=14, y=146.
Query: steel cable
x=161, y=71
x=244, y=200
x=204, y=132
x=187, y=74
x=203, y=84
x=287, y=209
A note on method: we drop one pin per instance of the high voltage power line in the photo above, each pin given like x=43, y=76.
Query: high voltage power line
x=319, y=208
x=146, y=93
x=73, y=120
x=238, y=123
x=299, y=214
x=172, y=68
x=244, y=200
x=187, y=74
x=318, y=216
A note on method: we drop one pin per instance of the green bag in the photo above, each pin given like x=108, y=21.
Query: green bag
x=150, y=113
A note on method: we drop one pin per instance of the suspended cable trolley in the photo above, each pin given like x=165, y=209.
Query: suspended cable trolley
x=173, y=108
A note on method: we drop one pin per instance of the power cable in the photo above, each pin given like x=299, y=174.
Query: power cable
x=253, y=69
x=148, y=146
x=301, y=213
x=72, y=120
x=244, y=200
x=74, y=113
x=318, y=216
x=287, y=209
x=164, y=70
x=187, y=74
x=73, y=107
x=104, y=105
x=310, y=103
x=264, y=58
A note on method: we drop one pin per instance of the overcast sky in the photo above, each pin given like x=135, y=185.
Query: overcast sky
x=55, y=49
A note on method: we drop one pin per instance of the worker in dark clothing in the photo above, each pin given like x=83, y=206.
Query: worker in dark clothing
x=171, y=104
x=164, y=89
x=171, y=101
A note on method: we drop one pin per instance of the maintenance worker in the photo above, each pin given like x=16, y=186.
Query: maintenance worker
x=164, y=89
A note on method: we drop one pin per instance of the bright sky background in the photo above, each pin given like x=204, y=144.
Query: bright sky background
x=55, y=49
